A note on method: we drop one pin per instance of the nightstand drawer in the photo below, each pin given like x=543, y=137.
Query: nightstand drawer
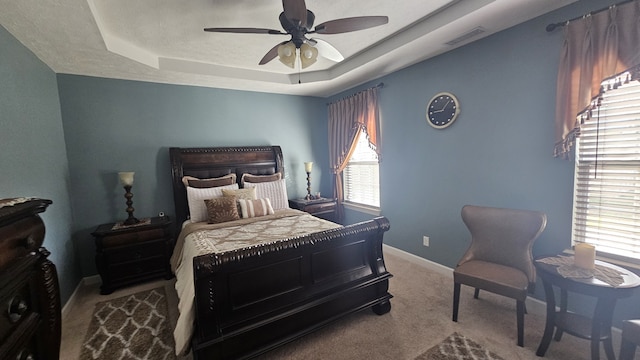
x=316, y=208
x=323, y=208
x=132, y=237
x=137, y=268
x=137, y=252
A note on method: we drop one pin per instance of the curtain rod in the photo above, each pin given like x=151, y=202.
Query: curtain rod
x=553, y=26
x=380, y=85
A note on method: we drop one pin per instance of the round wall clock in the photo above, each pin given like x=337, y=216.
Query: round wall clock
x=442, y=110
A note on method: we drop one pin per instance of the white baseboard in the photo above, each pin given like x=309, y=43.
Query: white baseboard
x=428, y=264
x=95, y=279
x=534, y=306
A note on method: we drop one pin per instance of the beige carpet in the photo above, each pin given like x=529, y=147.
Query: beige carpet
x=132, y=327
x=419, y=319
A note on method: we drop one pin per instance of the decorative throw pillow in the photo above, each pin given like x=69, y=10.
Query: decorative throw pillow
x=208, y=183
x=259, y=178
x=255, y=208
x=276, y=191
x=221, y=209
x=246, y=194
x=196, y=197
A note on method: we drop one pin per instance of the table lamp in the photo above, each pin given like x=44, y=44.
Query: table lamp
x=307, y=168
x=126, y=179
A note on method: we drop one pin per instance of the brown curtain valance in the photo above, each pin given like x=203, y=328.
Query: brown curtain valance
x=595, y=48
x=610, y=83
x=346, y=118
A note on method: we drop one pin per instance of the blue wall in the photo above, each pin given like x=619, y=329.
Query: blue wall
x=497, y=153
x=117, y=125
x=33, y=157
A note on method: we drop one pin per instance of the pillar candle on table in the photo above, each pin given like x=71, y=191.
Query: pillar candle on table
x=585, y=256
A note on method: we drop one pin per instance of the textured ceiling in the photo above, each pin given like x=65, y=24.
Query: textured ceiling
x=163, y=40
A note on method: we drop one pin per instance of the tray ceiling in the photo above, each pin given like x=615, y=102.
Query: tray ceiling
x=163, y=40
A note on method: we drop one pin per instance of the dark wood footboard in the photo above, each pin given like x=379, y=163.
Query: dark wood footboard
x=252, y=300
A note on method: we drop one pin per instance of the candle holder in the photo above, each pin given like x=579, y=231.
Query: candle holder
x=307, y=168
x=126, y=179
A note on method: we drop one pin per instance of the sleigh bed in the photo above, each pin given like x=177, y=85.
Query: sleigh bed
x=251, y=299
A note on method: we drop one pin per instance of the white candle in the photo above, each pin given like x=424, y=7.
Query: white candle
x=308, y=166
x=126, y=178
x=585, y=256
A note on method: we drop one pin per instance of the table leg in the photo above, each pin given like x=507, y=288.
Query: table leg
x=563, y=308
x=551, y=318
x=601, y=326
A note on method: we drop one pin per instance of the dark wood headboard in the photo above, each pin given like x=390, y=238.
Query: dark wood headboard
x=211, y=162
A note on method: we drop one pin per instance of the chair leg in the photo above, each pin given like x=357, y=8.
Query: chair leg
x=476, y=293
x=627, y=350
x=520, y=315
x=456, y=300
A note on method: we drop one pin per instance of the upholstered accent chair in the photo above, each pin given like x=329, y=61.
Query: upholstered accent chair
x=499, y=259
x=630, y=339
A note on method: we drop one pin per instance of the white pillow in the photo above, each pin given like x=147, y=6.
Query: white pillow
x=276, y=191
x=255, y=208
x=196, y=198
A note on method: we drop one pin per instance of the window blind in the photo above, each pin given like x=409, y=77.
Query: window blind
x=607, y=174
x=361, y=176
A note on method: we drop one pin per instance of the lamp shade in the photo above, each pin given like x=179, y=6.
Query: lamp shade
x=308, y=166
x=287, y=54
x=308, y=55
x=126, y=178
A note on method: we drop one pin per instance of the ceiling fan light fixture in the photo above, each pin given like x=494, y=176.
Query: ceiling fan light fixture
x=287, y=54
x=297, y=22
x=308, y=55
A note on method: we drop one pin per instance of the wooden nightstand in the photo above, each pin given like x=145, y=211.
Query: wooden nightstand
x=131, y=254
x=322, y=208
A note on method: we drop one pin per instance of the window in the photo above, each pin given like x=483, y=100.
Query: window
x=361, y=176
x=606, y=207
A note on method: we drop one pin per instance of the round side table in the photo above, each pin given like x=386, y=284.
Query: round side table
x=598, y=327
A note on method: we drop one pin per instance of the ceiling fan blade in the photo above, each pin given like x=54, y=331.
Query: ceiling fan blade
x=350, y=24
x=246, y=31
x=295, y=11
x=327, y=50
x=271, y=54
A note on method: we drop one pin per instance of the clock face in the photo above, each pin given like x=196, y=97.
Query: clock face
x=442, y=110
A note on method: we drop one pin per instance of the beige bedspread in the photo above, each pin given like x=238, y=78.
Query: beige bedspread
x=201, y=238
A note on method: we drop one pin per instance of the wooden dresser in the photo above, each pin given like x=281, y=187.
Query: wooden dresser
x=30, y=320
x=130, y=254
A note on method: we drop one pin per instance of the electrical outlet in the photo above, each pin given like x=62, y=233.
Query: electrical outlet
x=425, y=240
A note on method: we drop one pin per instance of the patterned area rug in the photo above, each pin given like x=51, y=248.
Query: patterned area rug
x=458, y=347
x=130, y=328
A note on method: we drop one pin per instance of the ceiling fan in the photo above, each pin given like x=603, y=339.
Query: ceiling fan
x=297, y=21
